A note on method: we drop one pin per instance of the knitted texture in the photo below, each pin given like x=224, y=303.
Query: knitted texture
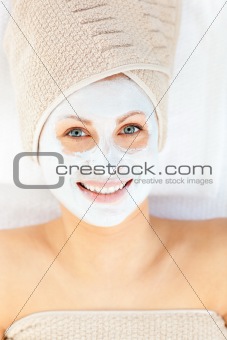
x=55, y=47
x=119, y=325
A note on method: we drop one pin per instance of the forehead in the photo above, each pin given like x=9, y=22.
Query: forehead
x=111, y=97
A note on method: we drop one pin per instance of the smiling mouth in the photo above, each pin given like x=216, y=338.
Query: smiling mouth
x=102, y=190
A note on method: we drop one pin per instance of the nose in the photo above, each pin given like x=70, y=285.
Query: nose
x=106, y=153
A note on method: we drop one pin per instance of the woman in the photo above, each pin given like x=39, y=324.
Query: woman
x=133, y=261
x=105, y=268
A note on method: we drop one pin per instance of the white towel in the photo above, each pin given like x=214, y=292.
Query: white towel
x=197, y=116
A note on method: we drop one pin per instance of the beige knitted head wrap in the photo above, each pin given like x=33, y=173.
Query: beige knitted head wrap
x=55, y=47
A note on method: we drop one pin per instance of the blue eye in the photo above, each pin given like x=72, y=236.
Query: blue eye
x=76, y=133
x=130, y=129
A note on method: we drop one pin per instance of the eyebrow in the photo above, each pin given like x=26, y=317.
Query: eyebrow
x=85, y=121
x=119, y=120
x=130, y=114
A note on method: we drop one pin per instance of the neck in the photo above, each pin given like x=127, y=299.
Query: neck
x=127, y=248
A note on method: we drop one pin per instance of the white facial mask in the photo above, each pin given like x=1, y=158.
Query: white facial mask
x=102, y=103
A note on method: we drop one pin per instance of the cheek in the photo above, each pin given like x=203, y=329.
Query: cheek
x=77, y=144
x=134, y=141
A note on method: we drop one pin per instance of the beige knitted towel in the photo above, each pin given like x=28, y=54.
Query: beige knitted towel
x=191, y=324
x=55, y=47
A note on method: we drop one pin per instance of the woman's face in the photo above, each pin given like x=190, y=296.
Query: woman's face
x=105, y=139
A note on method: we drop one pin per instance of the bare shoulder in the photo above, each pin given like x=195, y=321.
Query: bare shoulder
x=17, y=247
x=208, y=238
x=204, y=245
x=209, y=235
x=214, y=232
x=219, y=247
x=26, y=238
x=201, y=233
x=13, y=241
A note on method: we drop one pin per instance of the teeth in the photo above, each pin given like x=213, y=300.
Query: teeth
x=104, y=190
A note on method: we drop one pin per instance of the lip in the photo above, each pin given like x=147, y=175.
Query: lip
x=104, y=198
